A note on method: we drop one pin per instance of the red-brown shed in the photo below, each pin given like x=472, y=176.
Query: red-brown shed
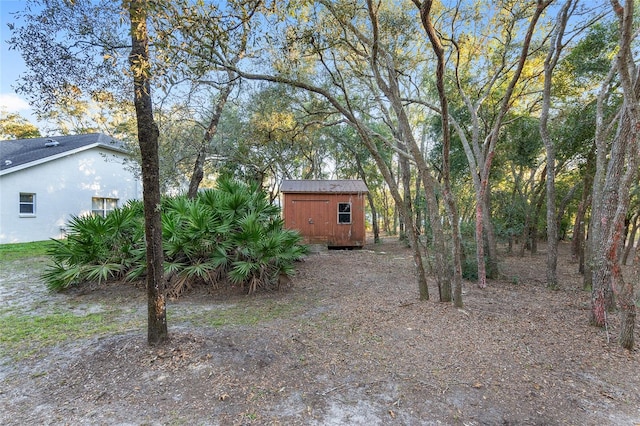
x=327, y=212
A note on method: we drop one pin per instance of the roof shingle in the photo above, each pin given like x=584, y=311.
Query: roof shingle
x=14, y=153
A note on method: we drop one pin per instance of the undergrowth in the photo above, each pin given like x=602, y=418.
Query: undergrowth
x=228, y=235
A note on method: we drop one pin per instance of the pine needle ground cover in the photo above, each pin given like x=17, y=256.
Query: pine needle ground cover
x=348, y=343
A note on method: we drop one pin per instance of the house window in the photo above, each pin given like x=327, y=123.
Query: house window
x=344, y=212
x=27, y=204
x=103, y=206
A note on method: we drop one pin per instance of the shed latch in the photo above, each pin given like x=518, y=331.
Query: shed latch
x=310, y=221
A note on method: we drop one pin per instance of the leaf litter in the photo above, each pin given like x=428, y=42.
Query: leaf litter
x=356, y=348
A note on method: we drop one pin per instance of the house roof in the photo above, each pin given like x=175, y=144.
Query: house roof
x=22, y=153
x=324, y=186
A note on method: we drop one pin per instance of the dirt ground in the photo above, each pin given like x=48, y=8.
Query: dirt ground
x=348, y=344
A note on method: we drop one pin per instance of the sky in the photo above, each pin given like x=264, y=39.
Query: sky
x=11, y=64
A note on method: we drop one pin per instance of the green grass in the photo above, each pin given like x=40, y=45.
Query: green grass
x=24, y=334
x=23, y=250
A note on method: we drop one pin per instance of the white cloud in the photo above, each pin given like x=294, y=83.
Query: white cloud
x=11, y=102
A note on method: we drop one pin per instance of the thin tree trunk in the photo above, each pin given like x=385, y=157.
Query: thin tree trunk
x=613, y=205
x=148, y=140
x=482, y=270
x=550, y=63
x=552, y=223
x=579, y=243
x=386, y=217
x=450, y=204
x=631, y=239
x=372, y=206
x=374, y=218
x=212, y=128
x=481, y=159
x=405, y=173
x=398, y=222
x=534, y=224
x=491, y=241
x=390, y=87
x=419, y=205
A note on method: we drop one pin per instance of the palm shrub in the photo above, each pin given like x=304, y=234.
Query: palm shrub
x=259, y=250
x=97, y=248
x=227, y=234
x=263, y=253
x=193, y=237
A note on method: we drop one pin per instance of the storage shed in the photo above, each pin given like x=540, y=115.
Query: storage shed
x=329, y=212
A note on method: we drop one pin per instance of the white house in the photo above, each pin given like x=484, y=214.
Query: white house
x=44, y=182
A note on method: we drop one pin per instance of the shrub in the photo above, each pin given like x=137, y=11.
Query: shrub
x=231, y=233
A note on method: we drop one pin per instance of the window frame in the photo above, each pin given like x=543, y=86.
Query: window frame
x=32, y=203
x=103, y=211
x=342, y=213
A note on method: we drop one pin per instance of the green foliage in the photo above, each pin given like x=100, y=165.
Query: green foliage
x=14, y=126
x=469, y=260
x=590, y=59
x=229, y=233
x=522, y=142
x=97, y=248
x=509, y=216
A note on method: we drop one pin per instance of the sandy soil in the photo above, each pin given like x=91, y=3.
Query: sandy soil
x=348, y=344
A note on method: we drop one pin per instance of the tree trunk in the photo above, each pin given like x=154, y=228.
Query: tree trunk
x=579, y=243
x=621, y=171
x=525, y=245
x=212, y=129
x=534, y=223
x=381, y=60
x=578, y=230
x=555, y=50
x=387, y=218
x=374, y=219
x=405, y=173
x=630, y=241
x=482, y=270
x=552, y=223
x=490, y=238
x=372, y=206
x=450, y=203
x=148, y=141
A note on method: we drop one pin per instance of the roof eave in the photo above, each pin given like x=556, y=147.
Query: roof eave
x=62, y=155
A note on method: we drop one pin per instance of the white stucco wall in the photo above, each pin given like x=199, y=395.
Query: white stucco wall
x=64, y=188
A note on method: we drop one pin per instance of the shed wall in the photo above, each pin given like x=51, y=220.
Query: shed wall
x=315, y=216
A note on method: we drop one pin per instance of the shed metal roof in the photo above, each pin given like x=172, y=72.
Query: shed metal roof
x=324, y=186
x=21, y=153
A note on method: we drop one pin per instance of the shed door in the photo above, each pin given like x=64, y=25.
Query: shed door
x=313, y=219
